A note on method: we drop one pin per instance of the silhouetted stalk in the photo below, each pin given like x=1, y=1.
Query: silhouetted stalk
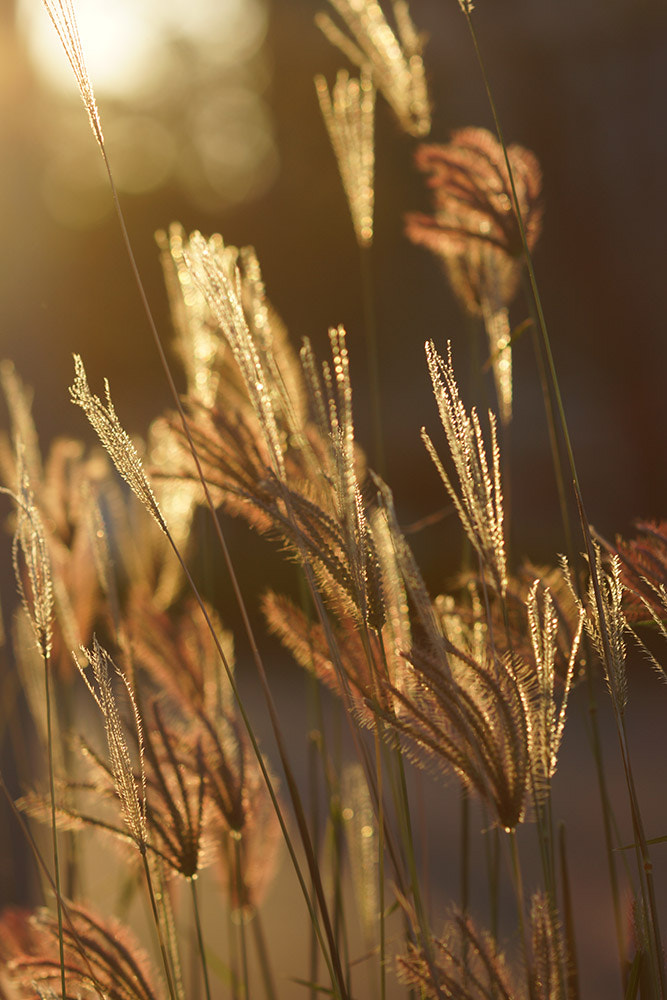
x=556, y=458
x=400, y=792
x=596, y=742
x=643, y=858
x=314, y=749
x=359, y=745
x=158, y=925
x=464, y=864
x=170, y=928
x=54, y=829
x=492, y=841
x=200, y=939
x=607, y=822
x=644, y=865
x=44, y=869
x=263, y=957
x=381, y=897
x=232, y=945
x=370, y=324
x=517, y=880
x=240, y=892
x=334, y=963
x=571, y=965
x=269, y=784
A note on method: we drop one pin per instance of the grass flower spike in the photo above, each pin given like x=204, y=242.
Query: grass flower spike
x=547, y=719
x=114, y=439
x=31, y=561
x=103, y=958
x=479, y=502
x=475, y=232
x=63, y=17
x=348, y=114
x=395, y=64
x=133, y=798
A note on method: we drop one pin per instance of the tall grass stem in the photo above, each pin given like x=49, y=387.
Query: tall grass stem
x=54, y=828
x=200, y=938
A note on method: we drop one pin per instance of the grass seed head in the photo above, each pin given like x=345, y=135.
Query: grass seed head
x=395, y=63
x=348, y=113
x=114, y=439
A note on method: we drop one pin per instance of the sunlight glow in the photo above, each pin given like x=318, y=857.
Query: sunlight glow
x=179, y=84
x=126, y=44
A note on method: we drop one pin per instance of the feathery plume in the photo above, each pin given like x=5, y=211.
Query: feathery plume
x=175, y=793
x=63, y=19
x=31, y=561
x=102, y=957
x=615, y=623
x=548, y=950
x=19, y=404
x=475, y=232
x=466, y=965
x=644, y=571
x=131, y=792
x=217, y=275
x=348, y=115
x=479, y=502
x=547, y=719
x=114, y=439
x=395, y=64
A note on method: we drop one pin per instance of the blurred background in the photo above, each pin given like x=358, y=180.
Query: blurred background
x=210, y=118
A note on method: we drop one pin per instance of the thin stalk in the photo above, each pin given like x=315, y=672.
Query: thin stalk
x=267, y=779
x=517, y=880
x=158, y=925
x=464, y=864
x=170, y=929
x=400, y=792
x=607, y=823
x=334, y=961
x=556, y=459
x=232, y=944
x=200, y=939
x=263, y=957
x=54, y=830
x=381, y=894
x=44, y=869
x=493, y=868
x=644, y=862
x=370, y=324
x=571, y=965
x=314, y=747
x=240, y=892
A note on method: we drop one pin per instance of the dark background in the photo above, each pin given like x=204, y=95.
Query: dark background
x=582, y=84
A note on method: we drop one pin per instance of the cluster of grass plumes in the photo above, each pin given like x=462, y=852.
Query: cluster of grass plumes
x=471, y=686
